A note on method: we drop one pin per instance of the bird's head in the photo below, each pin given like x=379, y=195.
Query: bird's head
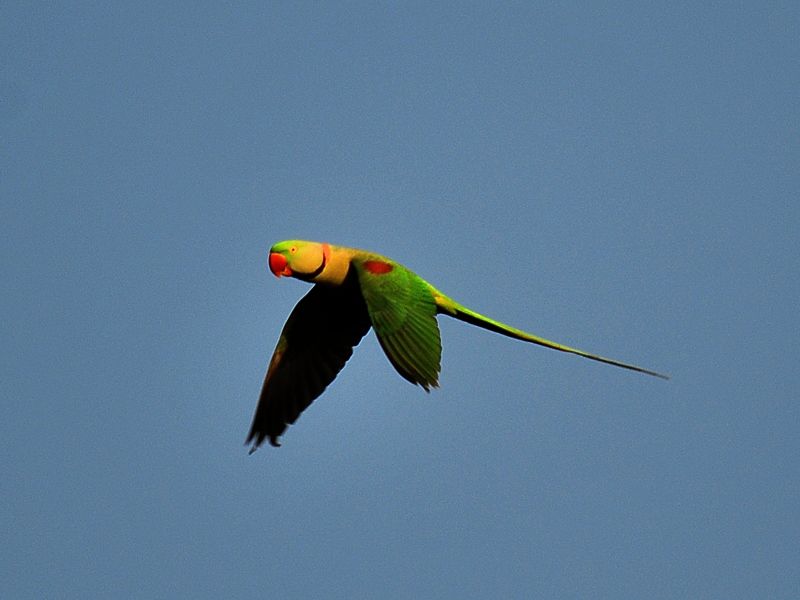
x=297, y=258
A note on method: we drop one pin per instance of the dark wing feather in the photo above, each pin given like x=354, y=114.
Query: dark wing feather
x=315, y=344
x=403, y=313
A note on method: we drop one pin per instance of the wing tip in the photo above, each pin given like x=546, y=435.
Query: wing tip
x=258, y=439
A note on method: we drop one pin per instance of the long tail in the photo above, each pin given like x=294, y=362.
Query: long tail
x=450, y=307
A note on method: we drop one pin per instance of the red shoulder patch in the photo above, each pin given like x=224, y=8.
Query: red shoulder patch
x=378, y=267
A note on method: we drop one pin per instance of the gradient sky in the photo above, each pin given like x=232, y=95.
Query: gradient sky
x=621, y=178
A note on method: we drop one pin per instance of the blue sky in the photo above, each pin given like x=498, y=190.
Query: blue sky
x=623, y=178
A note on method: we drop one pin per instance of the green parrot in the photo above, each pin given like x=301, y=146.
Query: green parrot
x=354, y=290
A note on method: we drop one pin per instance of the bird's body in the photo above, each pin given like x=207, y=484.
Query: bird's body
x=355, y=290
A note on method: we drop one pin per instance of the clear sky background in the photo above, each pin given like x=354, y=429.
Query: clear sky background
x=622, y=178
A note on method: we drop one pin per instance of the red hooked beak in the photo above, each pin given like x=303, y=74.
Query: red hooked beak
x=277, y=264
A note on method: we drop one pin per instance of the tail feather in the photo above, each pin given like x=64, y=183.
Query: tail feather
x=451, y=308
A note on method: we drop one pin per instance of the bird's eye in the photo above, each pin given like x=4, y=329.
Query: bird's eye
x=293, y=249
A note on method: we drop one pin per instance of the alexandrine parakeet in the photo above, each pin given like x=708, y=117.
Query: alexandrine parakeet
x=356, y=289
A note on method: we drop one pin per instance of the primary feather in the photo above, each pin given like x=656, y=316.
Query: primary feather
x=354, y=290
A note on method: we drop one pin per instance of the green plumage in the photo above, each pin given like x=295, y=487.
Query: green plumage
x=402, y=310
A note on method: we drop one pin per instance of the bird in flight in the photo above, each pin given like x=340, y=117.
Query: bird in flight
x=355, y=290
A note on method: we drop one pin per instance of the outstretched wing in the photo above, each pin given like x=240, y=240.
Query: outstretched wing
x=402, y=309
x=315, y=344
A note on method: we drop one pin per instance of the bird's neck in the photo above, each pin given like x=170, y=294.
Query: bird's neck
x=336, y=266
